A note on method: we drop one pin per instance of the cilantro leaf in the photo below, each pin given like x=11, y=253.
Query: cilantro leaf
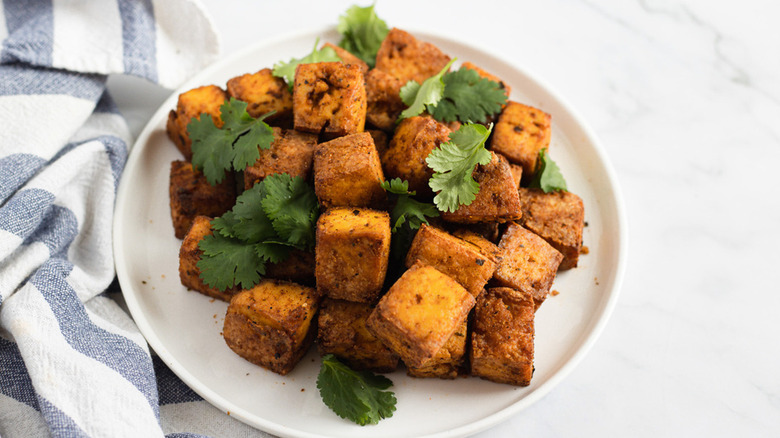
x=407, y=210
x=286, y=70
x=275, y=215
x=292, y=207
x=233, y=146
x=421, y=96
x=397, y=186
x=272, y=251
x=252, y=224
x=226, y=262
x=362, y=33
x=358, y=396
x=468, y=97
x=454, y=162
x=548, y=176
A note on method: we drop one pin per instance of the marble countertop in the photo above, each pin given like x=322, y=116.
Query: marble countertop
x=685, y=98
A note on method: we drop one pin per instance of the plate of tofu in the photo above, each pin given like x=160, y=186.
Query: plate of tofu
x=522, y=295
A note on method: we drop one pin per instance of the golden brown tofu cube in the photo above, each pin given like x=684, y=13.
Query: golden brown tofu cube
x=342, y=331
x=329, y=98
x=271, y=324
x=528, y=263
x=419, y=313
x=347, y=57
x=191, y=195
x=558, y=218
x=384, y=99
x=298, y=267
x=348, y=173
x=521, y=132
x=455, y=257
x=263, y=92
x=408, y=59
x=353, y=246
x=517, y=173
x=448, y=362
x=191, y=104
x=486, y=75
x=380, y=140
x=497, y=199
x=413, y=140
x=502, y=340
x=189, y=256
x=291, y=152
x=485, y=246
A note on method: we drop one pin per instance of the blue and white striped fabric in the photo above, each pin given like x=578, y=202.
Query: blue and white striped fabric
x=72, y=363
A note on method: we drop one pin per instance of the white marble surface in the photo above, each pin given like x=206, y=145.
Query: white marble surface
x=685, y=97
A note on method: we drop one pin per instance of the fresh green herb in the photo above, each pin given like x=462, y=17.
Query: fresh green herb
x=362, y=33
x=548, y=176
x=227, y=261
x=286, y=70
x=358, y=396
x=292, y=207
x=275, y=215
x=407, y=210
x=232, y=147
x=468, y=97
x=421, y=97
x=454, y=162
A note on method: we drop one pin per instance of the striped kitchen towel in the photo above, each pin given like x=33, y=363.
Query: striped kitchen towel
x=72, y=363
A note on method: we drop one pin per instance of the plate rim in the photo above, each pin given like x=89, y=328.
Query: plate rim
x=215, y=399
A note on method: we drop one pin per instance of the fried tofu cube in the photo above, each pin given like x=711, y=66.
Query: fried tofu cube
x=558, y=218
x=408, y=59
x=263, y=92
x=291, y=152
x=520, y=134
x=347, y=57
x=413, y=140
x=191, y=104
x=452, y=256
x=342, y=331
x=448, y=362
x=189, y=256
x=497, y=199
x=191, y=195
x=502, y=339
x=270, y=324
x=348, y=172
x=517, y=173
x=329, y=98
x=353, y=246
x=485, y=246
x=380, y=140
x=384, y=99
x=298, y=268
x=486, y=75
x=419, y=313
x=528, y=263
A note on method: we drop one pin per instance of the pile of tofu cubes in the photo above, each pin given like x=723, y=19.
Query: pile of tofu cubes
x=465, y=304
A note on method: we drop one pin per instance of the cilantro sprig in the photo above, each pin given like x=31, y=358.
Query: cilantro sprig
x=358, y=396
x=277, y=214
x=453, y=163
x=456, y=95
x=234, y=146
x=548, y=176
x=407, y=210
x=286, y=70
x=425, y=96
x=362, y=33
x=468, y=97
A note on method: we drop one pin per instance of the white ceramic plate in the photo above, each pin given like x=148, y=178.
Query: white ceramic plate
x=184, y=327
